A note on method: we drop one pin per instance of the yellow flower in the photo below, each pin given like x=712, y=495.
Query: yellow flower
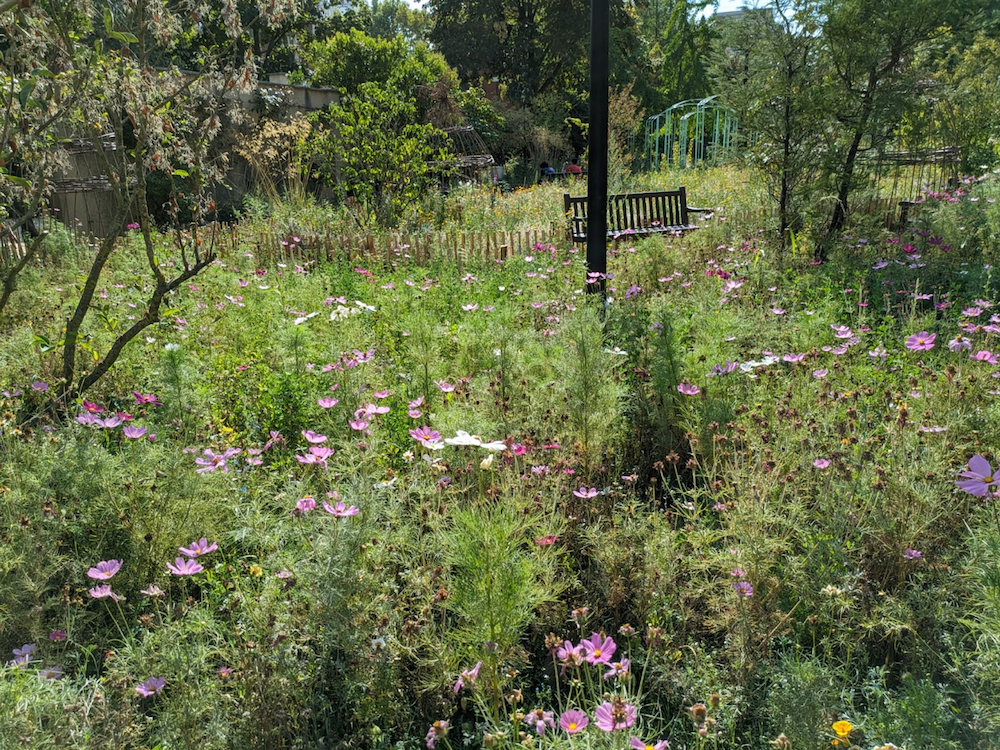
x=256, y=571
x=842, y=728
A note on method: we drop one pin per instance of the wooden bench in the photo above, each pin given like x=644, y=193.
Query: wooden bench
x=638, y=214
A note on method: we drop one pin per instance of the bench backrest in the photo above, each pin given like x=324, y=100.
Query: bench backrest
x=632, y=210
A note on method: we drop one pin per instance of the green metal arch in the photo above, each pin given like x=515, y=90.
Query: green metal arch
x=690, y=132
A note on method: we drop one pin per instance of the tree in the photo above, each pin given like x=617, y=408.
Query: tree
x=769, y=69
x=873, y=51
x=371, y=149
x=679, y=38
x=141, y=120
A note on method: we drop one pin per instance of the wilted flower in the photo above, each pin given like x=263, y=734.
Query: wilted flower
x=613, y=715
x=102, y=592
x=468, y=677
x=540, y=720
x=438, y=729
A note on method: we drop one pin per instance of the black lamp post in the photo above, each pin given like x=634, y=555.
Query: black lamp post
x=597, y=171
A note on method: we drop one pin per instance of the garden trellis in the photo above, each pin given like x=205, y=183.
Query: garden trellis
x=690, y=133
x=904, y=178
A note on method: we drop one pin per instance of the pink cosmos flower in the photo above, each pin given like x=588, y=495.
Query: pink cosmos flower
x=468, y=677
x=574, y=720
x=152, y=686
x=327, y=403
x=610, y=716
x=426, y=436
x=598, y=650
x=959, y=343
x=821, y=463
x=102, y=592
x=416, y=403
x=340, y=510
x=979, y=478
x=444, y=386
x=313, y=437
x=213, y=461
x=545, y=541
x=586, y=493
x=819, y=374
x=57, y=635
x=793, y=357
x=182, y=567
x=145, y=398
x=153, y=590
x=689, y=389
x=570, y=655
x=133, y=432
x=358, y=424
x=199, y=548
x=638, y=744
x=109, y=423
x=305, y=504
x=105, y=570
x=91, y=408
x=743, y=588
x=921, y=342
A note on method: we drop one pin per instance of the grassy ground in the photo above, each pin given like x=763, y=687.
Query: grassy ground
x=741, y=470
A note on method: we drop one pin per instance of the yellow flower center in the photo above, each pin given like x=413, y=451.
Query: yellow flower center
x=988, y=480
x=649, y=747
x=572, y=726
x=597, y=653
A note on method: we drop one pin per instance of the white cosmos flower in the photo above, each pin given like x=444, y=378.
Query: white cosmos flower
x=464, y=438
x=495, y=447
x=487, y=462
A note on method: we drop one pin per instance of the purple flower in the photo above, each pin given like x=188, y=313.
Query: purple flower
x=921, y=342
x=182, y=567
x=638, y=744
x=23, y=655
x=340, y=510
x=820, y=373
x=152, y=686
x=959, y=343
x=313, y=437
x=438, y=730
x=610, y=716
x=105, y=570
x=468, y=677
x=569, y=654
x=821, y=463
x=57, y=635
x=305, y=504
x=428, y=437
x=51, y=673
x=212, y=461
x=146, y=398
x=598, y=650
x=689, y=389
x=327, y=403
x=540, y=720
x=133, y=432
x=573, y=721
x=586, y=493
x=979, y=477
x=743, y=588
x=153, y=590
x=912, y=554
x=199, y=548
x=102, y=592
x=618, y=669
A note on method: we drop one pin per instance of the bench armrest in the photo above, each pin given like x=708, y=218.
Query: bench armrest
x=694, y=210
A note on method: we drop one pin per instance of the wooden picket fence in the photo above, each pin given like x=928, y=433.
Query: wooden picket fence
x=459, y=248
x=12, y=248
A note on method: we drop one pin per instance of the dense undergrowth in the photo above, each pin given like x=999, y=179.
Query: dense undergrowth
x=741, y=471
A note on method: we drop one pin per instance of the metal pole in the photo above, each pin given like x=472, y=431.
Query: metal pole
x=597, y=170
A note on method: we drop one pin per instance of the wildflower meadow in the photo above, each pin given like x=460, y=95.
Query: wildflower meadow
x=741, y=500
